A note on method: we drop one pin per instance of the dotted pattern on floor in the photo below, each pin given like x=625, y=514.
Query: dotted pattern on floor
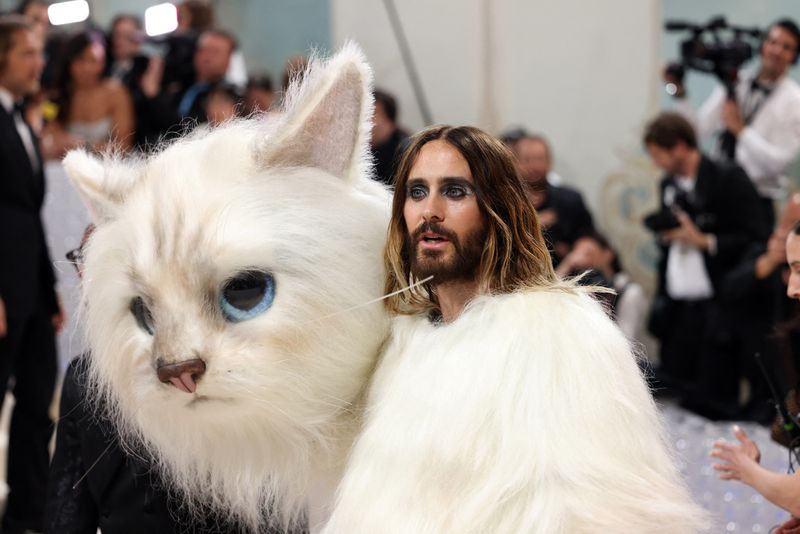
x=735, y=507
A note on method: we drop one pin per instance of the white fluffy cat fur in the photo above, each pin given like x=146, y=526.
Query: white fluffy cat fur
x=272, y=418
x=527, y=414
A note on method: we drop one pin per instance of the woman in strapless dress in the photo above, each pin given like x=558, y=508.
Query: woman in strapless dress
x=93, y=111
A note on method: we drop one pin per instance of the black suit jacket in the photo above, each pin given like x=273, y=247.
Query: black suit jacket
x=26, y=272
x=572, y=218
x=95, y=484
x=726, y=205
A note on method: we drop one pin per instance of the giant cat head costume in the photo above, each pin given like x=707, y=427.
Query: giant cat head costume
x=224, y=291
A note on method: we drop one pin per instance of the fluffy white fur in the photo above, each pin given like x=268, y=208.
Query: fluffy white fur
x=526, y=414
x=272, y=419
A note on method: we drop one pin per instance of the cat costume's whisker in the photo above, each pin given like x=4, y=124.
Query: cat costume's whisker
x=100, y=457
x=373, y=301
x=58, y=263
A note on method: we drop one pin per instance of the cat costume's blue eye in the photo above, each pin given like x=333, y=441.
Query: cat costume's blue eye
x=142, y=314
x=246, y=295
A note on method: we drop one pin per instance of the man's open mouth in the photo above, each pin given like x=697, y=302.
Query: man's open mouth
x=429, y=237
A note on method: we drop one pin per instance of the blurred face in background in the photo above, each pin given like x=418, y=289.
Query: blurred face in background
x=588, y=253
x=87, y=68
x=670, y=160
x=212, y=57
x=533, y=159
x=220, y=107
x=258, y=99
x=125, y=39
x=382, y=125
x=777, y=52
x=184, y=18
x=533, y=163
x=23, y=66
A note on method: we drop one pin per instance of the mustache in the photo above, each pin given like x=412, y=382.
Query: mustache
x=435, y=228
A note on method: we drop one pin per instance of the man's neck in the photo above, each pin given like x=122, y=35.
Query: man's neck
x=454, y=296
x=769, y=77
x=690, y=164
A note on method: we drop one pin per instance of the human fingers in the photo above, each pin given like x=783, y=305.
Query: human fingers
x=741, y=435
x=725, y=446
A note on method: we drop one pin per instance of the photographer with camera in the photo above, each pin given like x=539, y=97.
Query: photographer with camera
x=759, y=128
x=709, y=215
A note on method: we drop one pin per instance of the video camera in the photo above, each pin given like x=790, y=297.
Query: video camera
x=716, y=47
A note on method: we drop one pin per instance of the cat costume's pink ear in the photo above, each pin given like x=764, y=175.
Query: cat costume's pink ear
x=101, y=185
x=327, y=118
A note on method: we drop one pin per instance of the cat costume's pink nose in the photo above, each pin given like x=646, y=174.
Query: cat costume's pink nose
x=182, y=375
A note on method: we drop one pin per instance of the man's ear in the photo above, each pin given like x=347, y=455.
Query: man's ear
x=102, y=187
x=327, y=118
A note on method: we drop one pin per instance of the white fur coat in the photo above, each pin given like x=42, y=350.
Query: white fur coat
x=526, y=414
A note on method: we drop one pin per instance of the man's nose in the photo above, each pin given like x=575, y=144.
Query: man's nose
x=433, y=210
x=183, y=375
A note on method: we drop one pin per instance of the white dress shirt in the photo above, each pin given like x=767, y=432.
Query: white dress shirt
x=769, y=143
x=687, y=277
x=7, y=101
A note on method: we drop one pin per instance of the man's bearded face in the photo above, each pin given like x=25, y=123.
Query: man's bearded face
x=459, y=261
x=444, y=223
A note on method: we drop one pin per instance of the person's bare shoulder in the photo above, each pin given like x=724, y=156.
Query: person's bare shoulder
x=113, y=89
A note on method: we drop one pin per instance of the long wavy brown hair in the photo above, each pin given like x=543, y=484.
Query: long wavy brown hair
x=514, y=256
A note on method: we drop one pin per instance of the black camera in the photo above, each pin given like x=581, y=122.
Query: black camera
x=661, y=221
x=716, y=47
x=665, y=219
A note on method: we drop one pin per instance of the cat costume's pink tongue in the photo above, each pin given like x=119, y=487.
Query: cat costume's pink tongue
x=184, y=383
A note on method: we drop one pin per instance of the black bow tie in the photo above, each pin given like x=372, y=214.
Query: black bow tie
x=19, y=107
x=755, y=85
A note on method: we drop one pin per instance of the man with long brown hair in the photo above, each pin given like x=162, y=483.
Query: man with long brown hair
x=506, y=400
x=460, y=214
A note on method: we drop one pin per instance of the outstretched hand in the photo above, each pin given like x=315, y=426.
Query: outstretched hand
x=741, y=460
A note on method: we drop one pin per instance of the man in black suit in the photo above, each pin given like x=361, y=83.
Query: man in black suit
x=388, y=139
x=562, y=212
x=710, y=215
x=29, y=308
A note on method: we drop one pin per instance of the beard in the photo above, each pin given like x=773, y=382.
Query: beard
x=446, y=266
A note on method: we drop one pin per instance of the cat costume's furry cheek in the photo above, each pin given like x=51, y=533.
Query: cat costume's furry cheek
x=172, y=279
